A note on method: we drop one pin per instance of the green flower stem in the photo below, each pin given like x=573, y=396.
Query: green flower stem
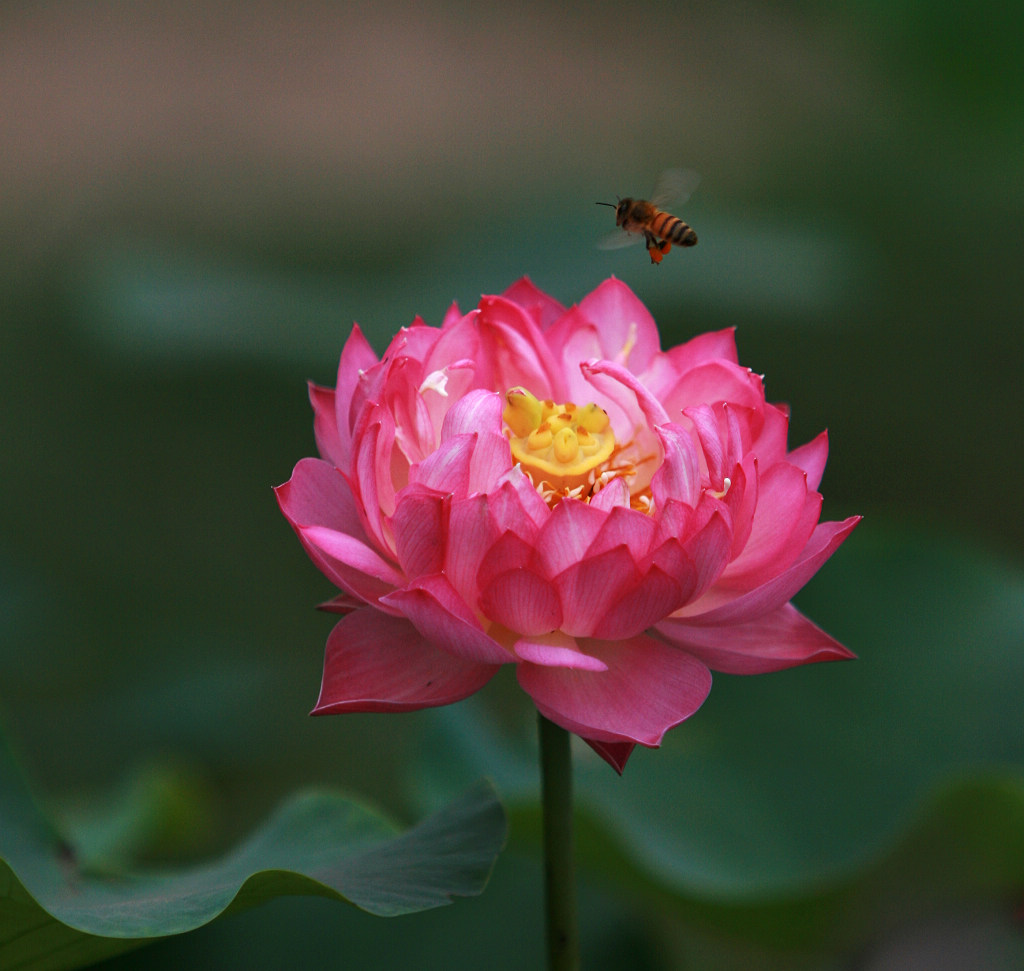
x=559, y=868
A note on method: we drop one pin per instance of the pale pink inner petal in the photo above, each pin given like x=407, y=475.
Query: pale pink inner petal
x=556, y=650
x=516, y=348
x=477, y=410
x=613, y=495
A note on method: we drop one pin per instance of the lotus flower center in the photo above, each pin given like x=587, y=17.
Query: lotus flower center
x=560, y=446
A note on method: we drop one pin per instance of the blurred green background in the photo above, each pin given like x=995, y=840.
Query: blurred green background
x=199, y=199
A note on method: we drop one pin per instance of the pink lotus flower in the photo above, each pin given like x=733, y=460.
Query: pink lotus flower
x=545, y=487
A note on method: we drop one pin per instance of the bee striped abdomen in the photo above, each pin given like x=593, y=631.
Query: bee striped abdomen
x=673, y=229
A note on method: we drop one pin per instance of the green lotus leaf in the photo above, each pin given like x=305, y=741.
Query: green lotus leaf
x=56, y=911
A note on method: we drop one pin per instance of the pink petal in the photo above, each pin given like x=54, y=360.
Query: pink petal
x=741, y=501
x=811, y=458
x=635, y=610
x=712, y=346
x=459, y=341
x=573, y=338
x=466, y=464
x=447, y=469
x=318, y=494
x=471, y=535
x=625, y=527
x=784, y=519
x=415, y=433
x=713, y=448
x=515, y=347
x=342, y=549
x=343, y=603
x=616, y=754
x=419, y=526
x=714, y=382
x=375, y=662
x=356, y=357
x=516, y=505
x=625, y=389
x=441, y=616
x=648, y=688
x=678, y=476
x=627, y=330
x=325, y=426
x=709, y=549
x=375, y=491
x=557, y=650
x=770, y=444
x=477, y=410
x=672, y=559
x=509, y=552
x=722, y=606
x=567, y=534
x=614, y=495
x=587, y=589
x=543, y=308
x=523, y=602
x=780, y=639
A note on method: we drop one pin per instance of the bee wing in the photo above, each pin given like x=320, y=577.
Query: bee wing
x=674, y=185
x=618, y=239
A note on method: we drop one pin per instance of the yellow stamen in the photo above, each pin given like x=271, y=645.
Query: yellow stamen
x=564, y=448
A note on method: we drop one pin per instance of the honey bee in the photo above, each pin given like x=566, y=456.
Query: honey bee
x=638, y=218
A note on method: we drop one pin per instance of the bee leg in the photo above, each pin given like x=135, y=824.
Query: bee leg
x=655, y=248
